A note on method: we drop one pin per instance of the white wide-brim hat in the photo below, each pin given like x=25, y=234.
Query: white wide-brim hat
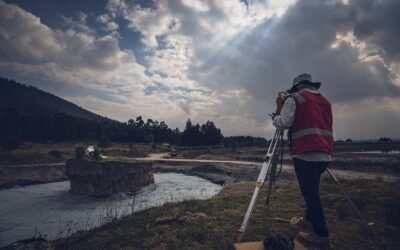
x=303, y=79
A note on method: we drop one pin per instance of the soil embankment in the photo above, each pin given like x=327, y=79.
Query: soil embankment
x=100, y=179
x=31, y=174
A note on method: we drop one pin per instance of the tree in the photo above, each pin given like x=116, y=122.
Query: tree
x=384, y=139
x=139, y=122
x=211, y=134
x=190, y=134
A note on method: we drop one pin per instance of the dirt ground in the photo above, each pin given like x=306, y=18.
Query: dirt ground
x=239, y=177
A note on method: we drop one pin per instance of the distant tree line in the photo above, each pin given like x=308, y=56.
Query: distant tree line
x=244, y=141
x=16, y=127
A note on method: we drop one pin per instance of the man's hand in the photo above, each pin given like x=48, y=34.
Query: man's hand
x=280, y=100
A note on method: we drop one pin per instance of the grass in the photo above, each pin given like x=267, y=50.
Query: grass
x=378, y=201
x=38, y=153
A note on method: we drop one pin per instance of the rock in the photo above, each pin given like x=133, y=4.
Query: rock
x=186, y=217
x=100, y=179
x=190, y=217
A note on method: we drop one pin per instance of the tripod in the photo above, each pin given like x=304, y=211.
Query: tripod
x=270, y=164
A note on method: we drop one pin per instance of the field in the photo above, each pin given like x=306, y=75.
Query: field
x=212, y=223
x=350, y=156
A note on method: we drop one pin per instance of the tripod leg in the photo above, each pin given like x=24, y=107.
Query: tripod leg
x=272, y=175
x=260, y=181
x=347, y=197
x=274, y=166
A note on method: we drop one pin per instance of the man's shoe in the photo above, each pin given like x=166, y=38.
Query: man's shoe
x=313, y=238
x=304, y=226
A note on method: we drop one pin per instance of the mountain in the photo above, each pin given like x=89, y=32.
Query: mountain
x=29, y=100
x=28, y=114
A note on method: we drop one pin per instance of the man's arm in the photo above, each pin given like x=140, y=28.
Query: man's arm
x=285, y=119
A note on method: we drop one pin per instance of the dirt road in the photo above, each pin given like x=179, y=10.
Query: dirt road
x=344, y=174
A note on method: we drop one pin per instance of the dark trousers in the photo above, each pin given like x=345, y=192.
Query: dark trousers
x=308, y=175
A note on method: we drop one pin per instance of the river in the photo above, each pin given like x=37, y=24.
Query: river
x=50, y=211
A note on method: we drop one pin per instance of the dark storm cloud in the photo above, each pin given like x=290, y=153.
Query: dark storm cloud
x=378, y=22
x=268, y=57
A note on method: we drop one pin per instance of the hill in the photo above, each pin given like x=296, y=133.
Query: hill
x=29, y=100
x=30, y=114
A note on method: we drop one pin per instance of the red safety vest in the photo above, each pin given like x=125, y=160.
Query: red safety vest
x=312, y=126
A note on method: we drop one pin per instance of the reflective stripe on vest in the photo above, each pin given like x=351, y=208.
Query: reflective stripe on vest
x=312, y=126
x=311, y=131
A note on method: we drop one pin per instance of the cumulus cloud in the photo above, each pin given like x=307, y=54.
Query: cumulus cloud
x=109, y=25
x=26, y=40
x=74, y=55
x=78, y=56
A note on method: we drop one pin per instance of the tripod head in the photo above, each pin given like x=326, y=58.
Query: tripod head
x=283, y=94
x=280, y=100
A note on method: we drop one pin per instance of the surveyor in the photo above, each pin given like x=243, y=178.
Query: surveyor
x=308, y=116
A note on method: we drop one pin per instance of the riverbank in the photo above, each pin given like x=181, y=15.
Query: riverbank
x=378, y=201
x=22, y=175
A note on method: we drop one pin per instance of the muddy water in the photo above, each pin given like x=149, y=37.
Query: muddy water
x=51, y=212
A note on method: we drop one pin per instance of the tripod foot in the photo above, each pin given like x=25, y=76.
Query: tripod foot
x=239, y=236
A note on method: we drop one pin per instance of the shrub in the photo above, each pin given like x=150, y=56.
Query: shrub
x=56, y=154
x=79, y=153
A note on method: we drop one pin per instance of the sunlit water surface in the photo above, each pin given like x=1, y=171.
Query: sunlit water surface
x=51, y=212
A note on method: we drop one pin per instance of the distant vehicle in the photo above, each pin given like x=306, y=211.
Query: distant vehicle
x=173, y=153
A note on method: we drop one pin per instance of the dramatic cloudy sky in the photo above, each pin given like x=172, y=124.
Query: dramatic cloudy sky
x=210, y=59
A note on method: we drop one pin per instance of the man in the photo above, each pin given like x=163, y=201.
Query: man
x=308, y=116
